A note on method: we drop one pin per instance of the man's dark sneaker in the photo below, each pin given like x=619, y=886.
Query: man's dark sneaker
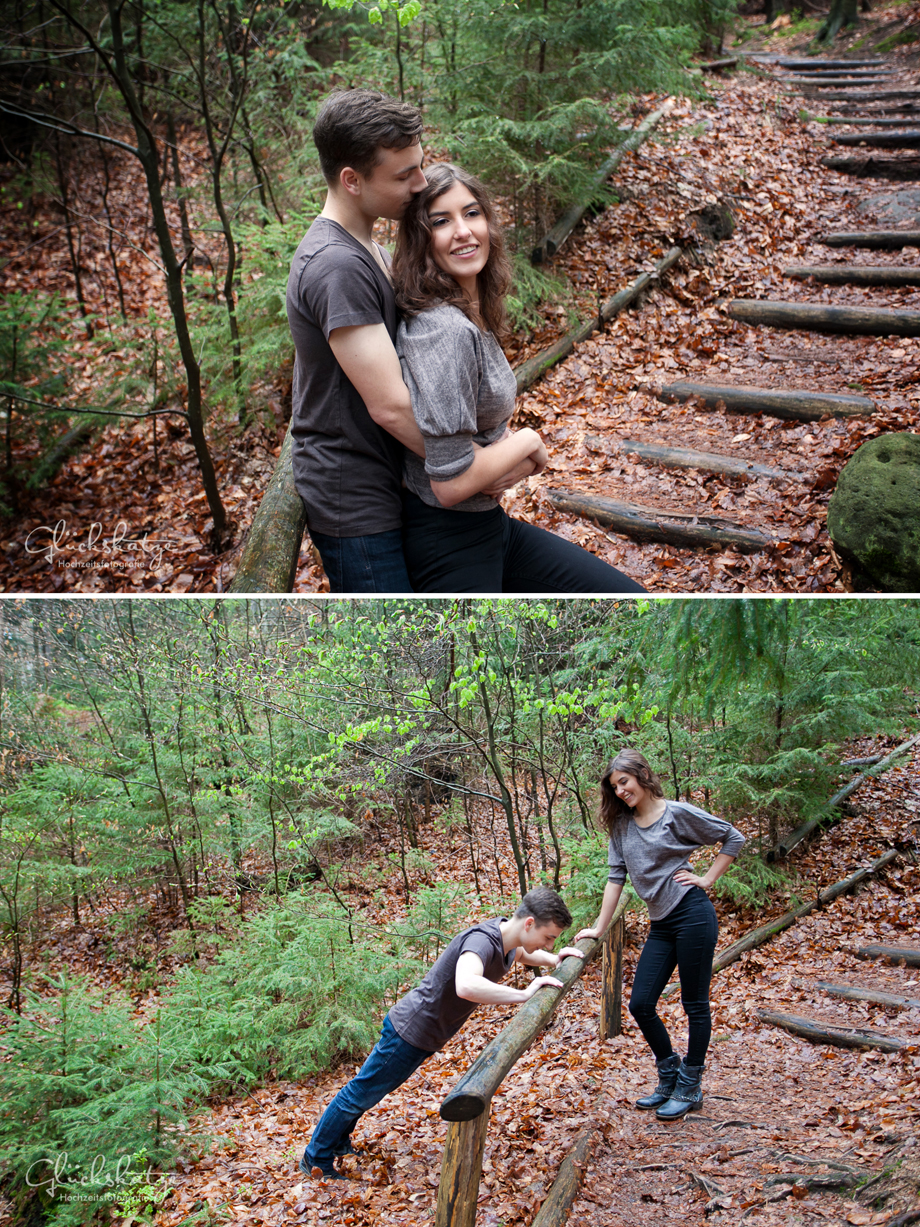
x=318, y=1173
x=346, y=1148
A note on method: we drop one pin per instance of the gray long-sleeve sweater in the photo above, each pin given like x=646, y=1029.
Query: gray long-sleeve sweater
x=652, y=855
x=462, y=391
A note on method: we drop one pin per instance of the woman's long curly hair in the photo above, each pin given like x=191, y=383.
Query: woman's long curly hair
x=418, y=281
x=630, y=762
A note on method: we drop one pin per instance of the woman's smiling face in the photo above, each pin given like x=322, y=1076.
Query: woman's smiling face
x=627, y=788
x=459, y=236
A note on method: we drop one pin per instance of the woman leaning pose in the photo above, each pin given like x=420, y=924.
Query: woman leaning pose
x=451, y=276
x=651, y=840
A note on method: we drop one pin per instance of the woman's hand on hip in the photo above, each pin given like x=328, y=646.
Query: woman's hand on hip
x=686, y=878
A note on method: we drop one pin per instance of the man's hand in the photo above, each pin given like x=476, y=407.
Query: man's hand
x=568, y=952
x=539, y=982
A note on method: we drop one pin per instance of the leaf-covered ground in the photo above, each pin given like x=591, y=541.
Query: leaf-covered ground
x=136, y=519
x=774, y=1105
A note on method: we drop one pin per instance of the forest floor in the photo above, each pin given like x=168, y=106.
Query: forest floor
x=774, y=1105
x=134, y=518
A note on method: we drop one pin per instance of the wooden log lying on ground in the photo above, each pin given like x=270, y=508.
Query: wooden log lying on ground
x=473, y=1092
x=857, y=121
x=652, y=524
x=850, y=992
x=878, y=240
x=861, y=321
x=763, y=933
x=899, y=170
x=719, y=65
x=840, y=1037
x=812, y=84
x=554, y=238
x=862, y=98
x=908, y=139
x=530, y=371
x=794, y=838
x=269, y=559
x=856, y=274
x=73, y=441
x=709, y=462
x=827, y=65
x=891, y=954
x=800, y=406
x=555, y=1209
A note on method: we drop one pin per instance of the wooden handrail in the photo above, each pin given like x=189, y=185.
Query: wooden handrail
x=471, y=1095
x=269, y=559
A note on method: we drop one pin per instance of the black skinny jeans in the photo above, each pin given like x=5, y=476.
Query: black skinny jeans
x=685, y=939
x=488, y=551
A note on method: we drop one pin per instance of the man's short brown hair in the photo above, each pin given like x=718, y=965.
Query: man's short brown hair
x=545, y=906
x=353, y=125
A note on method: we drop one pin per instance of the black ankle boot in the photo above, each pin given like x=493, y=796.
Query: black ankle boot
x=667, y=1080
x=687, y=1095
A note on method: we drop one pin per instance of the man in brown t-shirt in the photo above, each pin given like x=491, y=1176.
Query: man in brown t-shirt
x=351, y=411
x=465, y=975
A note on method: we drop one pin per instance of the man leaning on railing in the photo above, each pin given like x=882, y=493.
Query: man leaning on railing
x=466, y=975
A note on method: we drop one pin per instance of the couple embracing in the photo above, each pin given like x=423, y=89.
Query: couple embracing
x=402, y=394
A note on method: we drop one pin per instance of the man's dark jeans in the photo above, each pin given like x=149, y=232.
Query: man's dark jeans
x=390, y=1064
x=374, y=563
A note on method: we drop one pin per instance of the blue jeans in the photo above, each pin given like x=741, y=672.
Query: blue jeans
x=374, y=563
x=389, y=1065
x=685, y=939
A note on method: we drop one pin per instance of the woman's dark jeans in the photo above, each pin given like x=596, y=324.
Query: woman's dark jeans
x=489, y=552
x=685, y=939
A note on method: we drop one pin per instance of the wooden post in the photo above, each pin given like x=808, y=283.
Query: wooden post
x=461, y=1169
x=612, y=996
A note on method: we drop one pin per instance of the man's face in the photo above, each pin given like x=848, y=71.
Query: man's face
x=393, y=182
x=540, y=937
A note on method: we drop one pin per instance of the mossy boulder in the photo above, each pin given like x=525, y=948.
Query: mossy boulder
x=874, y=514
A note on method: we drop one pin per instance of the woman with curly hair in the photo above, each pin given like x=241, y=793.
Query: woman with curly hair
x=651, y=840
x=451, y=276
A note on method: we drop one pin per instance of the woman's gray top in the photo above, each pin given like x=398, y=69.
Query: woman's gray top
x=652, y=855
x=462, y=389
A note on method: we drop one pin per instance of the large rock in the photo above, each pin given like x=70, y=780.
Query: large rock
x=874, y=514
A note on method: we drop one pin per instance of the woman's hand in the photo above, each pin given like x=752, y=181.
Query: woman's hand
x=592, y=933
x=686, y=878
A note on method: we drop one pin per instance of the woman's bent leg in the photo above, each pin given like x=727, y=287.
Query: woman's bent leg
x=696, y=933
x=538, y=561
x=452, y=551
x=655, y=967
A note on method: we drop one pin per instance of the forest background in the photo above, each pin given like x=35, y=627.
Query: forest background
x=160, y=153
x=226, y=798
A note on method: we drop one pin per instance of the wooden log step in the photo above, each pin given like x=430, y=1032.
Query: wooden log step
x=652, y=524
x=898, y=170
x=840, y=1037
x=709, y=462
x=856, y=274
x=856, y=121
x=850, y=992
x=827, y=65
x=909, y=139
x=861, y=321
x=719, y=65
x=891, y=954
x=807, y=84
x=797, y=406
x=862, y=97
x=880, y=240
